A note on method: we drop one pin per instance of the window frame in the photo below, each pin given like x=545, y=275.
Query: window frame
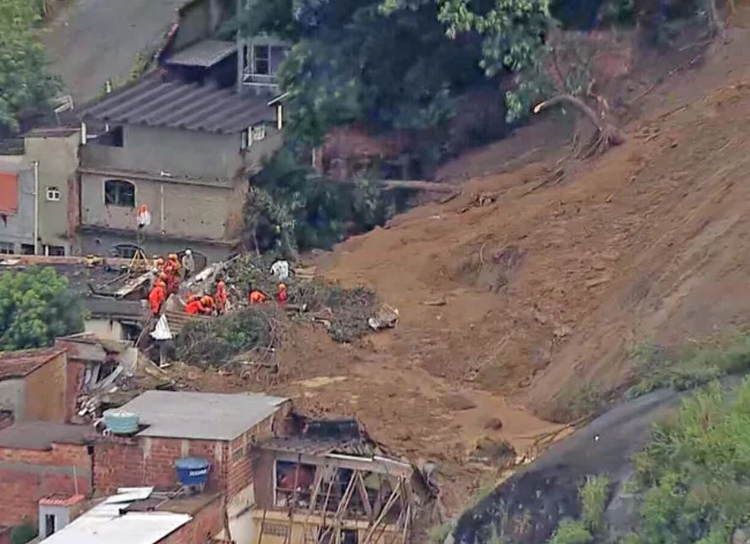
x=53, y=194
x=119, y=201
x=266, y=59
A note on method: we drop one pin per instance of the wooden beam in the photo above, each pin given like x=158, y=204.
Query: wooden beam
x=363, y=495
x=379, y=465
x=388, y=505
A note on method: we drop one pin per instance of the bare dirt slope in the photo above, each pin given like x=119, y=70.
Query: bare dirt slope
x=551, y=287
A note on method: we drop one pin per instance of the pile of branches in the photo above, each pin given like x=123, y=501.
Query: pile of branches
x=343, y=311
x=218, y=341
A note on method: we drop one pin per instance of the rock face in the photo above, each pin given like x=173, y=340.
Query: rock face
x=527, y=508
x=741, y=536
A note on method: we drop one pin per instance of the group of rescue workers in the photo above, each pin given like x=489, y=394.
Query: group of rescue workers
x=169, y=274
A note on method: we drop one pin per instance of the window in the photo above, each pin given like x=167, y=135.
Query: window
x=259, y=132
x=54, y=251
x=50, y=524
x=6, y=249
x=53, y=194
x=262, y=60
x=27, y=249
x=119, y=193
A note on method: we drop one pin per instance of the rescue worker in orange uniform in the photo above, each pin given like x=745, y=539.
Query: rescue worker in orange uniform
x=282, y=296
x=208, y=303
x=256, y=296
x=157, y=296
x=195, y=307
x=221, y=296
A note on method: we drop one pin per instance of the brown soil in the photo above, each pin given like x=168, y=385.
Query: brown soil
x=510, y=301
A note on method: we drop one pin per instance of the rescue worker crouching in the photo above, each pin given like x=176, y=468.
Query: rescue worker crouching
x=256, y=296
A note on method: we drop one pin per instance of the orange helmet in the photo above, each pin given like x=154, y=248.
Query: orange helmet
x=160, y=283
x=172, y=257
x=207, y=301
x=282, y=287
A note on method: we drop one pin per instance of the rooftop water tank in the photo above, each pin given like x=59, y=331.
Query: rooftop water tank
x=192, y=471
x=121, y=422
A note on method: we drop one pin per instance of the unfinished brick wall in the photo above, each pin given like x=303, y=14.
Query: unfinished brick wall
x=206, y=523
x=4, y=535
x=28, y=475
x=145, y=461
x=45, y=392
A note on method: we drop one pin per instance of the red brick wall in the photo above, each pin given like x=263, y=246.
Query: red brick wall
x=4, y=535
x=28, y=475
x=206, y=523
x=132, y=462
x=45, y=392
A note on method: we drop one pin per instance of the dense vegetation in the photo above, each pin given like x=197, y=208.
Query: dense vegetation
x=291, y=207
x=36, y=306
x=694, y=474
x=25, y=84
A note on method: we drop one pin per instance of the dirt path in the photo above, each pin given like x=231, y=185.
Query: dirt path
x=91, y=41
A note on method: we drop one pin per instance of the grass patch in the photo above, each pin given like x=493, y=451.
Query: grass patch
x=593, y=494
x=692, y=365
x=575, y=403
x=694, y=473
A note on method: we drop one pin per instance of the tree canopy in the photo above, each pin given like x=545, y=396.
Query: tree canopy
x=25, y=84
x=36, y=306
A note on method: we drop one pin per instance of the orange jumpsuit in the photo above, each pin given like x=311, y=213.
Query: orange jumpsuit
x=195, y=307
x=221, y=296
x=282, y=296
x=256, y=297
x=156, y=298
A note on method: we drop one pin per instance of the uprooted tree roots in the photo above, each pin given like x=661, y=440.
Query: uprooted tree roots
x=606, y=135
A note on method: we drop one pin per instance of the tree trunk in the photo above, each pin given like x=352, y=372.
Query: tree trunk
x=716, y=23
x=607, y=135
x=433, y=186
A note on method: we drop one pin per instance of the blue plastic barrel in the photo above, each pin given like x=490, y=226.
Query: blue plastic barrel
x=192, y=471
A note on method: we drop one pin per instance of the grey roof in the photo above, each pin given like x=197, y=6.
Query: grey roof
x=201, y=416
x=162, y=101
x=204, y=54
x=113, y=307
x=40, y=435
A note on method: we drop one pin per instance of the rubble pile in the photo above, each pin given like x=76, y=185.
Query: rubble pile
x=347, y=314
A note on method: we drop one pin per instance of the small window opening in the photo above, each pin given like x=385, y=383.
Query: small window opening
x=53, y=194
x=119, y=193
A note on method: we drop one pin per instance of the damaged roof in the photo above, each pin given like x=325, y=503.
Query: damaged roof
x=162, y=101
x=203, y=54
x=201, y=416
x=18, y=364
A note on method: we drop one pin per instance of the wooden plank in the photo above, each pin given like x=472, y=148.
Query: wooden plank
x=363, y=495
x=379, y=465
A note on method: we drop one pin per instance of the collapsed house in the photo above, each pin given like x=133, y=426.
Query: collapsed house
x=327, y=481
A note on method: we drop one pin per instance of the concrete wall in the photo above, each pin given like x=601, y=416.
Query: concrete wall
x=13, y=397
x=62, y=517
x=105, y=328
x=18, y=228
x=185, y=153
x=193, y=211
x=45, y=392
x=58, y=161
x=99, y=243
x=29, y=475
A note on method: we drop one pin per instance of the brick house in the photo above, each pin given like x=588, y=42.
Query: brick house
x=221, y=428
x=30, y=384
x=40, y=459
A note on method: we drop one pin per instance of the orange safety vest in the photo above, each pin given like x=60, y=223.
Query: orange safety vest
x=256, y=297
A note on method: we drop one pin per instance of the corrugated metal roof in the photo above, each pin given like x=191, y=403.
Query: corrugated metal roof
x=204, y=54
x=104, y=523
x=158, y=100
x=201, y=416
x=18, y=364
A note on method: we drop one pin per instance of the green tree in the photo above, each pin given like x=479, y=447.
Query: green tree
x=25, y=84
x=36, y=306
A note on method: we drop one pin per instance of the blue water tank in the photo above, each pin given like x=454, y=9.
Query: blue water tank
x=192, y=471
x=121, y=422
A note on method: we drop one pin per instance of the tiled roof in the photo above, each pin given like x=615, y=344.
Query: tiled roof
x=203, y=54
x=61, y=500
x=163, y=101
x=17, y=364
